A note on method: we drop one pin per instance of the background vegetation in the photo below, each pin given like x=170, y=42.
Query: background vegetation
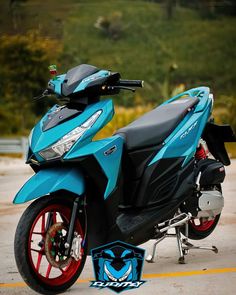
x=171, y=44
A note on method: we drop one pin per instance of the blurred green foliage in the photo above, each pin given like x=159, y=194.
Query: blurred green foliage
x=24, y=61
x=225, y=113
x=172, y=45
x=203, y=50
x=225, y=110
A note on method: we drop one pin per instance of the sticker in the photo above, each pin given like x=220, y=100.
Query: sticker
x=117, y=266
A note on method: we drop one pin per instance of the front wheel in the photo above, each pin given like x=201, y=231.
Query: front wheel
x=40, y=245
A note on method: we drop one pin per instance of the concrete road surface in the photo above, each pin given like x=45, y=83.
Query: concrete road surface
x=205, y=271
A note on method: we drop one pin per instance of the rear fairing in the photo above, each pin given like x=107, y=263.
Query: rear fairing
x=183, y=141
x=159, y=171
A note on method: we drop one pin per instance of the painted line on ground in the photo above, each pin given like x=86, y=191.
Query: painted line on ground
x=146, y=276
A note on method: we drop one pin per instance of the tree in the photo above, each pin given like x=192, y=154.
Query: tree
x=169, y=6
x=23, y=72
x=16, y=12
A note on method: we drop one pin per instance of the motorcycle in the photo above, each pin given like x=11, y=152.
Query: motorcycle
x=152, y=175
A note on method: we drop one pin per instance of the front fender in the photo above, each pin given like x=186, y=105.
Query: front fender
x=50, y=180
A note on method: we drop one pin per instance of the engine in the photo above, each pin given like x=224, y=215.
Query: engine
x=210, y=203
x=207, y=201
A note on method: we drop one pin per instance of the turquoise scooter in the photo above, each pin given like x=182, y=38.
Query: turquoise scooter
x=151, y=175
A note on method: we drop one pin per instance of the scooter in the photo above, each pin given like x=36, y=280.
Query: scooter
x=163, y=171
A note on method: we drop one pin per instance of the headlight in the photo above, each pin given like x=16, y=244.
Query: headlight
x=66, y=142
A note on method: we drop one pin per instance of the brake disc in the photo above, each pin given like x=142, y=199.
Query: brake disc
x=54, y=244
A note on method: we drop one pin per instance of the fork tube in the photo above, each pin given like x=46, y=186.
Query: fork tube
x=71, y=227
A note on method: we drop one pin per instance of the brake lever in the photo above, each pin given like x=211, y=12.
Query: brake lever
x=120, y=87
x=45, y=93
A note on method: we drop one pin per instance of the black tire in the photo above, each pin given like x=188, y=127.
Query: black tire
x=22, y=246
x=195, y=234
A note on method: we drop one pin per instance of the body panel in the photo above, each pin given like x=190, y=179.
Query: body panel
x=200, y=92
x=41, y=140
x=84, y=146
x=83, y=84
x=109, y=162
x=51, y=180
x=57, y=83
x=183, y=141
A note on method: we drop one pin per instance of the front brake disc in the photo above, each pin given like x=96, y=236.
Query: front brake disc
x=53, y=249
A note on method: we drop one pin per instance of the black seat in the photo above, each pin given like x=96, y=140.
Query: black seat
x=155, y=126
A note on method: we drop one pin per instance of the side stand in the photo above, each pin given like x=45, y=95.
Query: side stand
x=151, y=257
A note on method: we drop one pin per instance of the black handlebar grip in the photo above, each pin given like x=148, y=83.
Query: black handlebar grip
x=131, y=83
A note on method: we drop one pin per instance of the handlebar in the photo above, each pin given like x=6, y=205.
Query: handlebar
x=115, y=88
x=130, y=83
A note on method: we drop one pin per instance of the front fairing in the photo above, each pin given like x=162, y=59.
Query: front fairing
x=55, y=84
x=42, y=139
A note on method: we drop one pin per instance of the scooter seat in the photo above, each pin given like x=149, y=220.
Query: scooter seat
x=155, y=126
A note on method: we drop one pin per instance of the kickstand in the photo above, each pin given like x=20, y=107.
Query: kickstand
x=151, y=257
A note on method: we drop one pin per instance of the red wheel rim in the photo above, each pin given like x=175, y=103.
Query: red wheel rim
x=42, y=268
x=203, y=225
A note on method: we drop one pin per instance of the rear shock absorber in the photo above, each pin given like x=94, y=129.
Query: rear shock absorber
x=202, y=150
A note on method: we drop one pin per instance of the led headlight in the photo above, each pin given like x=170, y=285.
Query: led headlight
x=63, y=145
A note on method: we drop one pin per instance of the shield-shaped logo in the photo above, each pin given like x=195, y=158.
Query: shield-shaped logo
x=117, y=266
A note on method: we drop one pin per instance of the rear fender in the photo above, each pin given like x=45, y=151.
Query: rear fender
x=49, y=181
x=215, y=137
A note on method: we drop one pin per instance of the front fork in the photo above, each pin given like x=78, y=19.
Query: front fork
x=70, y=235
x=78, y=203
x=75, y=242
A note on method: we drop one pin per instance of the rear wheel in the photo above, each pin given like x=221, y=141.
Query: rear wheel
x=40, y=245
x=201, y=228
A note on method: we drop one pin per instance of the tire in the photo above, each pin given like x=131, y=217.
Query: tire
x=39, y=253
x=201, y=231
